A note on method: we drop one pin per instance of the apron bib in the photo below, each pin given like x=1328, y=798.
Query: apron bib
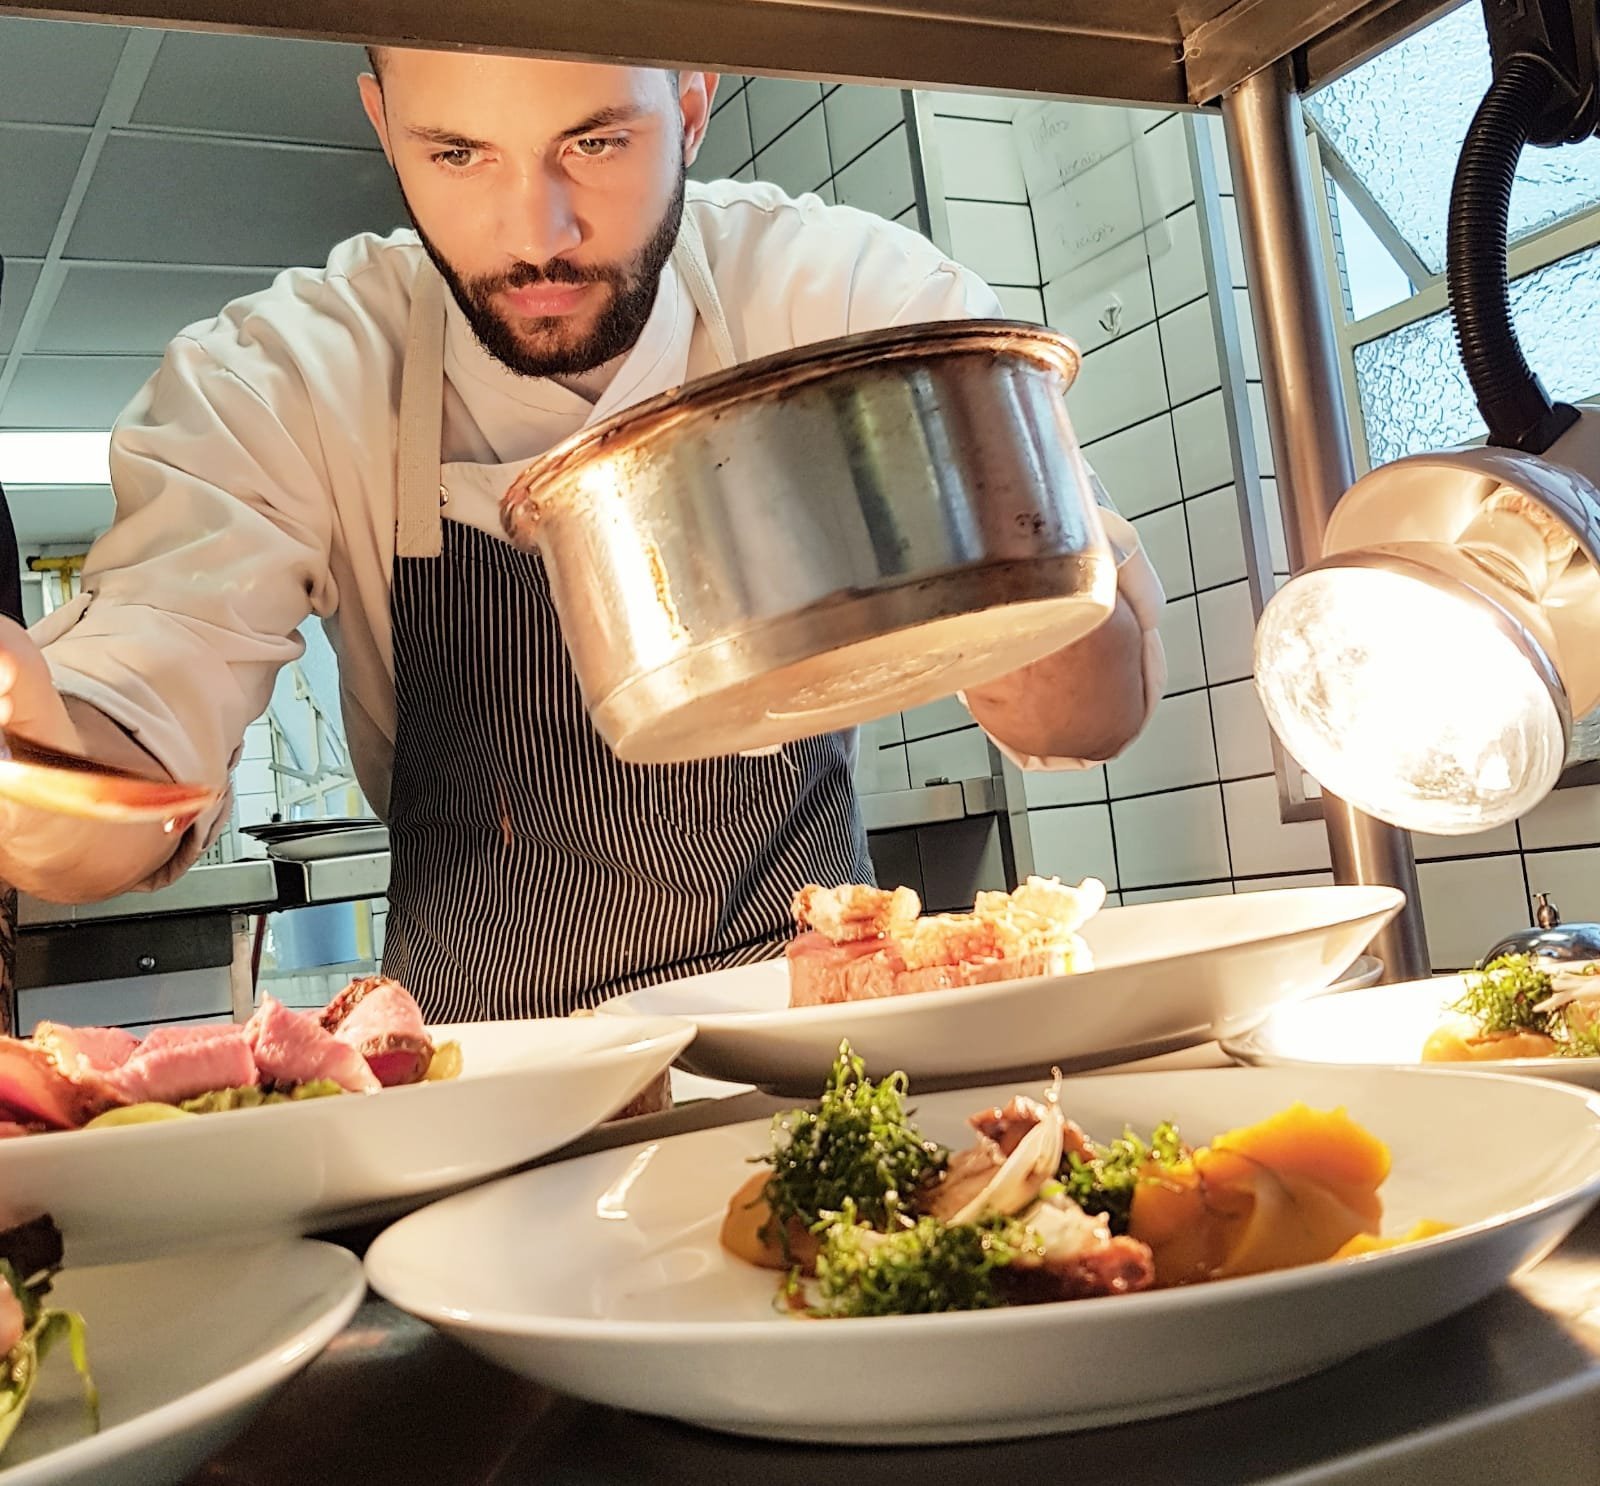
x=532, y=873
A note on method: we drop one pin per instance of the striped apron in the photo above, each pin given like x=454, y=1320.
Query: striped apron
x=531, y=872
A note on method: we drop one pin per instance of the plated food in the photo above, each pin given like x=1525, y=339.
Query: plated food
x=1148, y=979
x=185, y=1351
x=606, y=1276
x=863, y=943
x=1519, y=1006
x=865, y=1216
x=276, y=1164
x=369, y=1037
x=1515, y=1016
x=31, y=1328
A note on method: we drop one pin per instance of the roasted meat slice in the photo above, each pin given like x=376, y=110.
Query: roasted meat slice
x=35, y=1091
x=379, y=1018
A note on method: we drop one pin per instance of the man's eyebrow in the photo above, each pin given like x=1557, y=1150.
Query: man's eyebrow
x=605, y=118
x=446, y=137
x=602, y=118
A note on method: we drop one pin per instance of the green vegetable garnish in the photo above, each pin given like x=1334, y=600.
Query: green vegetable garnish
x=928, y=1267
x=44, y=1327
x=1105, y=1181
x=1501, y=997
x=857, y=1147
x=250, y=1096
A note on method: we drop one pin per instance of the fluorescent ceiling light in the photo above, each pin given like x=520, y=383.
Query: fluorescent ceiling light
x=48, y=457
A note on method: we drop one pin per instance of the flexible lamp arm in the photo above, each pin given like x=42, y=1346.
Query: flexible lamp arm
x=1546, y=91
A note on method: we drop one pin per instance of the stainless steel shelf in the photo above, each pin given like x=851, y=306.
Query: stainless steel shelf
x=333, y=879
x=226, y=886
x=1135, y=51
x=930, y=805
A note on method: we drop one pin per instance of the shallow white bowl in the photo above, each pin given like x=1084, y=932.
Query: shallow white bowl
x=1167, y=975
x=602, y=1276
x=1382, y=1027
x=526, y=1088
x=184, y=1351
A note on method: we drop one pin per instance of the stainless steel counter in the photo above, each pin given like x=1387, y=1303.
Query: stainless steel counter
x=223, y=887
x=1507, y=1391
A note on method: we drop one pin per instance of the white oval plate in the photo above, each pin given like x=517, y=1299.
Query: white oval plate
x=1384, y=1027
x=1168, y=975
x=526, y=1088
x=184, y=1350
x=602, y=1276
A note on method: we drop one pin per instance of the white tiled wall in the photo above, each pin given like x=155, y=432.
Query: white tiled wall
x=846, y=144
x=1192, y=807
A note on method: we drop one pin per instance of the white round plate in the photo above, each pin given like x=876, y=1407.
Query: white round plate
x=183, y=1350
x=602, y=1276
x=526, y=1088
x=1384, y=1027
x=1167, y=975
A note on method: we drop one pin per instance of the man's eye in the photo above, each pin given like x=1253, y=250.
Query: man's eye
x=455, y=159
x=597, y=147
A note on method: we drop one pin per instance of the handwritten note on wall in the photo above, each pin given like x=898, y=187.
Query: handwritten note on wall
x=1083, y=165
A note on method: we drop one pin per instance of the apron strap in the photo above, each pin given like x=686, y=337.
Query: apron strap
x=689, y=254
x=419, y=526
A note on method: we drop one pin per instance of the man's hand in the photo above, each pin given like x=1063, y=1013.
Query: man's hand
x=57, y=857
x=1084, y=702
x=30, y=705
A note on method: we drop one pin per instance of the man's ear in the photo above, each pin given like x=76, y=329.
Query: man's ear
x=372, y=105
x=697, y=92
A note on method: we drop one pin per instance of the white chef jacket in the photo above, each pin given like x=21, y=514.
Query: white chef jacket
x=254, y=473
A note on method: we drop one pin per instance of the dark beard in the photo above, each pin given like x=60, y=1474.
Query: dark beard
x=633, y=288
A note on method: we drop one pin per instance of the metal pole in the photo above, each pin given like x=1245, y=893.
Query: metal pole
x=1309, y=426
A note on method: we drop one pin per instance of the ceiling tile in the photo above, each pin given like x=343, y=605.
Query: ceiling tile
x=73, y=391
x=36, y=171
x=53, y=72
x=261, y=87
x=178, y=200
x=49, y=515
x=16, y=288
x=128, y=311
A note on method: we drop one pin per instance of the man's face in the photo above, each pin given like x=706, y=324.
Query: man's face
x=548, y=193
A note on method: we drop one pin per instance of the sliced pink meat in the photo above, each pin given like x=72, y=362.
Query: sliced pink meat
x=379, y=1018
x=34, y=1090
x=176, y=1063
x=85, y=1049
x=292, y=1047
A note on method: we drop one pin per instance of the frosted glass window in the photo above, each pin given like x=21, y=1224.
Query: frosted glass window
x=1398, y=122
x=1376, y=282
x=1414, y=392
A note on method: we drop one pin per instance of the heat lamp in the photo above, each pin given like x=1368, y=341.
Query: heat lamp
x=1429, y=667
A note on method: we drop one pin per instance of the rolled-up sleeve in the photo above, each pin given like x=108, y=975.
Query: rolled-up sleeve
x=191, y=602
x=951, y=292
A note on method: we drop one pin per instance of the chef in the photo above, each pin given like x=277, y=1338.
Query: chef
x=336, y=445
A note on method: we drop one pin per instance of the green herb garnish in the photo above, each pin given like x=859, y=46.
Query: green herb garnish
x=858, y=1146
x=43, y=1326
x=1501, y=997
x=1105, y=1181
x=925, y=1268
